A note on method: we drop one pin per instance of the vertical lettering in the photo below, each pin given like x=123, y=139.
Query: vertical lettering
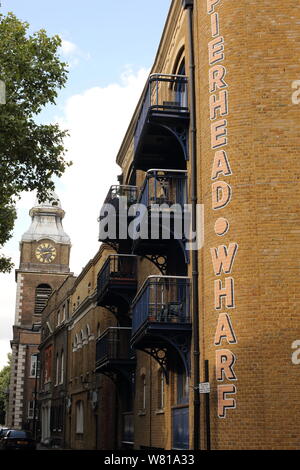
x=223, y=258
x=225, y=293
x=225, y=403
x=214, y=24
x=216, y=50
x=225, y=360
x=218, y=133
x=224, y=330
x=218, y=104
x=221, y=194
x=220, y=165
x=211, y=5
x=216, y=77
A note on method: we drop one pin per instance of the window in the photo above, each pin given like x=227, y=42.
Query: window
x=161, y=390
x=79, y=417
x=58, y=318
x=63, y=313
x=48, y=364
x=144, y=392
x=57, y=370
x=62, y=368
x=182, y=388
x=33, y=365
x=42, y=294
x=30, y=411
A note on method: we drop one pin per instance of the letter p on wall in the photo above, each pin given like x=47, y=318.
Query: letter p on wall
x=296, y=94
x=211, y=5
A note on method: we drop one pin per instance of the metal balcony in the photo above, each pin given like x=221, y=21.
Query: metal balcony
x=113, y=220
x=161, y=319
x=117, y=282
x=163, y=196
x=160, y=133
x=113, y=352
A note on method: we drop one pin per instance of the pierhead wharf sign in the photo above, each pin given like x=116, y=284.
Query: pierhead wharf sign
x=222, y=256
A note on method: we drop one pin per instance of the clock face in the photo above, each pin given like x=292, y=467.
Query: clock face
x=45, y=253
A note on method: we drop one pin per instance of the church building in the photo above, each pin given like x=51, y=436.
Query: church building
x=44, y=265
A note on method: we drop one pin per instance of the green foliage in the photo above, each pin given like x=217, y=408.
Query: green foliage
x=4, y=385
x=30, y=153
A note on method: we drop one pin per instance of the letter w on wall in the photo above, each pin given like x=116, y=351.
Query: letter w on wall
x=223, y=258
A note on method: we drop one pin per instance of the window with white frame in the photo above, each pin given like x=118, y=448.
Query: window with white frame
x=33, y=365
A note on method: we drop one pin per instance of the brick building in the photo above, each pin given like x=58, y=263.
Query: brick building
x=215, y=140
x=44, y=265
x=218, y=125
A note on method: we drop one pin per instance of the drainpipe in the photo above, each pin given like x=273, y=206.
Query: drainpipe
x=189, y=5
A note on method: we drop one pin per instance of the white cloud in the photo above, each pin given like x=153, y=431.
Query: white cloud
x=97, y=121
x=71, y=53
x=67, y=47
x=4, y=350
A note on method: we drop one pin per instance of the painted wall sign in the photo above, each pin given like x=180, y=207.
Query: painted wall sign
x=223, y=256
x=296, y=93
x=296, y=353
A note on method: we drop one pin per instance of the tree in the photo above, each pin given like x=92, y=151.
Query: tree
x=4, y=384
x=30, y=153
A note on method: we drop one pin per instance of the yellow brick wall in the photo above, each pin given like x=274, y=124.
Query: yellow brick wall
x=261, y=50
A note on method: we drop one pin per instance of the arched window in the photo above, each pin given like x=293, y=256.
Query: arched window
x=42, y=294
x=179, y=63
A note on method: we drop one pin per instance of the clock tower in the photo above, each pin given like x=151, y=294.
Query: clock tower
x=44, y=265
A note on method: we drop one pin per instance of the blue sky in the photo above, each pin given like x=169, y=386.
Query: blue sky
x=109, y=34
x=110, y=47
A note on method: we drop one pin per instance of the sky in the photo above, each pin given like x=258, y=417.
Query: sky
x=110, y=47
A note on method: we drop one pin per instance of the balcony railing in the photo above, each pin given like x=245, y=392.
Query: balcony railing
x=117, y=277
x=163, y=301
x=163, y=186
x=117, y=191
x=166, y=94
x=119, y=198
x=113, y=346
